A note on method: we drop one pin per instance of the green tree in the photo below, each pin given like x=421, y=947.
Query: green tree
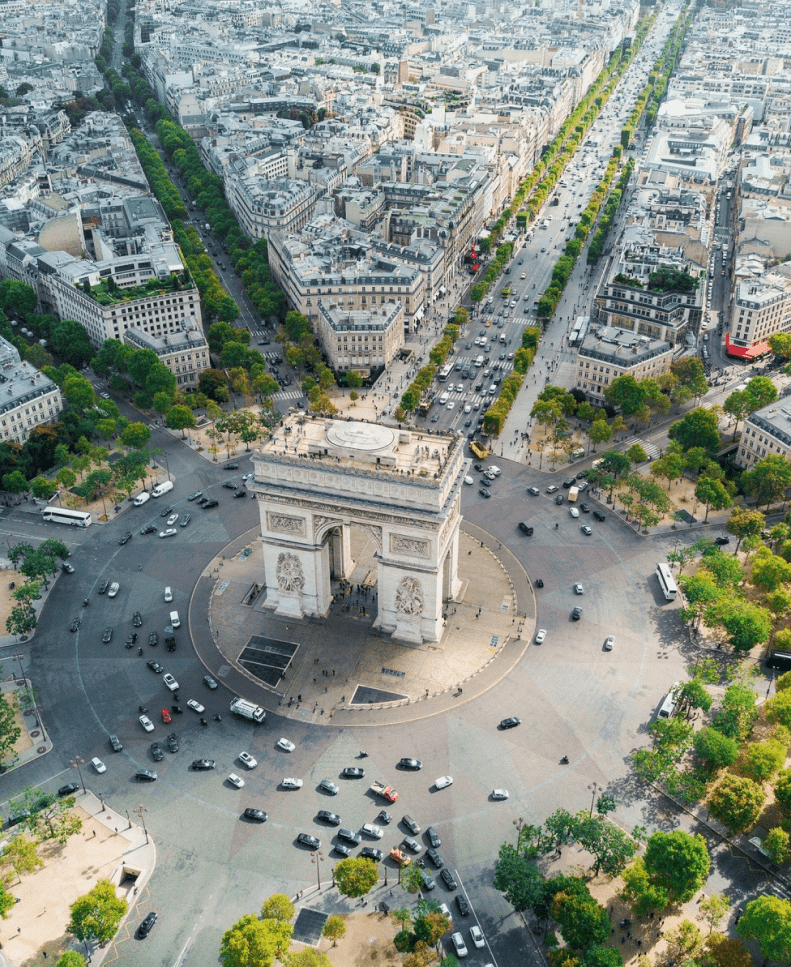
x=745, y=523
x=783, y=790
x=278, y=907
x=670, y=467
x=180, y=418
x=7, y=902
x=98, y=914
x=518, y=878
x=334, y=929
x=636, y=453
x=717, y=749
x=764, y=759
x=309, y=957
x=677, y=862
x=71, y=958
x=713, y=909
x=49, y=817
x=768, y=480
x=688, y=370
x=698, y=428
x=355, y=876
x=135, y=436
x=746, y=624
x=251, y=942
x=776, y=845
x=42, y=488
x=15, y=482
x=21, y=854
x=79, y=392
x=626, y=393
x=768, y=920
x=712, y=494
x=769, y=571
x=737, y=802
x=599, y=432
x=582, y=921
x=640, y=892
x=685, y=942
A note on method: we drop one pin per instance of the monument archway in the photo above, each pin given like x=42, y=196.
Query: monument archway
x=318, y=478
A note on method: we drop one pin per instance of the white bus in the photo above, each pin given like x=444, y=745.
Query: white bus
x=61, y=515
x=666, y=582
x=443, y=374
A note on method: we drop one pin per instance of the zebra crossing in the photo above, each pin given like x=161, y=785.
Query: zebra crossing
x=288, y=395
x=651, y=451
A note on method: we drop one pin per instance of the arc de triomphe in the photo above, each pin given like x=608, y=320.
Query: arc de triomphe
x=316, y=478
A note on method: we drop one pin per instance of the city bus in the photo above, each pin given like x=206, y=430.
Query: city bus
x=443, y=374
x=62, y=515
x=666, y=582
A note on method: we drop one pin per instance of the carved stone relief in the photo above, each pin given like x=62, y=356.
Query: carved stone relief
x=290, y=576
x=409, y=598
x=413, y=546
x=285, y=524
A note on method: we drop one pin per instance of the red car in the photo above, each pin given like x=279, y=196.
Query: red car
x=166, y=716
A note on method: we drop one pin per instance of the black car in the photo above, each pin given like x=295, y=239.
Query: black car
x=203, y=501
x=384, y=817
x=169, y=510
x=131, y=638
x=407, y=763
x=479, y=467
x=585, y=508
x=148, y=529
x=157, y=752
x=582, y=474
x=126, y=538
x=152, y=638
x=484, y=493
x=461, y=903
x=353, y=772
x=185, y=520
x=325, y=816
x=485, y=482
x=598, y=515
x=170, y=643
x=65, y=566
x=69, y=789
x=210, y=503
x=145, y=927
x=230, y=485
x=146, y=775
x=449, y=879
x=240, y=493
x=107, y=635
x=137, y=619
x=195, y=496
x=722, y=541
x=371, y=853
x=155, y=666
x=115, y=743
x=559, y=499
x=258, y=815
x=576, y=614
x=173, y=742
x=231, y=466
x=312, y=842
x=202, y=765
x=75, y=625
x=341, y=850
x=525, y=528
x=433, y=836
x=510, y=723
x=103, y=586
x=350, y=836
x=435, y=858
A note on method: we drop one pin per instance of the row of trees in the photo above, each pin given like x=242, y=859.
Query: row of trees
x=439, y=353
x=596, y=246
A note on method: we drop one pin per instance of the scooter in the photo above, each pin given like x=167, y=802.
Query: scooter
x=139, y=651
x=85, y=603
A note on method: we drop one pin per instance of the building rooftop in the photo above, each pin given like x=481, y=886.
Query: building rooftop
x=621, y=346
x=20, y=381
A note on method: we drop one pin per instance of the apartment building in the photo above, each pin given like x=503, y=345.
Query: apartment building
x=664, y=316
x=761, y=307
x=27, y=397
x=766, y=432
x=186, y=354
x=363, y=341
x=607, y=353
x=263, y=207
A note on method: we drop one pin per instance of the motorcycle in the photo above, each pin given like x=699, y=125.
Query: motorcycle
x=85, y=603
x=140, y=651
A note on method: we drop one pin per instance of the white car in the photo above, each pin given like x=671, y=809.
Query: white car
x=574, y=512
x=196, y=706
x=459, y=945
x=468, y=407
x=285, y=745
x=495, y=470
x=542, y=633
x=579, y=589
x=115, y=587
x=370, y=829
x=171, y=683
x=291, y=783
x=172, y=519
x=443, y=782
x=98, y=765
x=608, y=643
x=444, y=909
x=146, y=722
x=451, y=405
x=469, y=481
x=168, y=594
x=499, y=794
x=169, y=532
x=248, y=760
x=477, y=936
x=235, y=780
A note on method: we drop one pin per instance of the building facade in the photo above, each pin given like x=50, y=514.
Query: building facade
x=665, y=316
x=27, y=397
x=766, y=432
x=186, y=354
x=607, y=353
x=760, y=309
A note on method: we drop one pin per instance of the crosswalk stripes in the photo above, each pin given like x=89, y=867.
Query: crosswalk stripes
x=651, y=451
x=288, y=395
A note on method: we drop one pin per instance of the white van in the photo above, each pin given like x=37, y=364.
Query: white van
x=478, y=362
x=163, y=488
x=141, y=499
x=174, y=619
x=668, y=706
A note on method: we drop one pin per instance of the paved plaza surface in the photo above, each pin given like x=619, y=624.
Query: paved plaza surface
x=573, y=699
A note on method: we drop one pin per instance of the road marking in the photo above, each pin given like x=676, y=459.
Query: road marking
x=48, y=779
x=477, y=921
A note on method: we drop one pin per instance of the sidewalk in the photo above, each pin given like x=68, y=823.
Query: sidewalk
x=109, y=846
x=34, y=740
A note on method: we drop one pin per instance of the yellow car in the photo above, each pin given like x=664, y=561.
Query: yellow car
x=400, y=857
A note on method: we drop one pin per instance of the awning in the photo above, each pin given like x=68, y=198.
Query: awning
x=419, y=313
x=442, y=290
x=746, y=352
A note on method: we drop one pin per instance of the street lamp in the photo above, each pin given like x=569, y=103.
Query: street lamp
x=520, y=825
x=141, y=809
x=21, y=672
x=594, y=787
x=76, y=762
x=318, y=859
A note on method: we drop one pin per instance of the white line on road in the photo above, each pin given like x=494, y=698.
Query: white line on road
x=48, y=779
x=183, y=950
x=477, y=920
